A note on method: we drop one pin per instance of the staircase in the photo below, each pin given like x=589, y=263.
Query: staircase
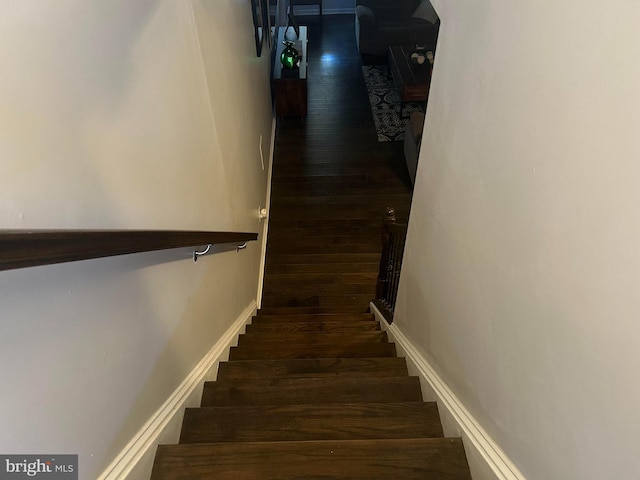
x=313, y=396
x=314, y=390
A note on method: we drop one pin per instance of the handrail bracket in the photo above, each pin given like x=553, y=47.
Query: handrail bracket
x=197, y=254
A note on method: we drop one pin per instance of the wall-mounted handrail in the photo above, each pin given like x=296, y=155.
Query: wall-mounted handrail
x=30, y=248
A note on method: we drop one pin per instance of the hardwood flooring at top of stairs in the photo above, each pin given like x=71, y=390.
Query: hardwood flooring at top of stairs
x=314, y=389
x=332, y=182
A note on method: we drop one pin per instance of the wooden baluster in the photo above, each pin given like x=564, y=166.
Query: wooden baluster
x=383, y=272
x=393, y=241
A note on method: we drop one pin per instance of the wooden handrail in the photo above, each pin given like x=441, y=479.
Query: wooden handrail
x=30, y=248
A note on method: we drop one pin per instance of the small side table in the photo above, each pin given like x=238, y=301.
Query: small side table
x=411, y=80
x=290, y=94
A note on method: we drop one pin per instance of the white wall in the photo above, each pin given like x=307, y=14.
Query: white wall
x=110, y=117
x=521, y=275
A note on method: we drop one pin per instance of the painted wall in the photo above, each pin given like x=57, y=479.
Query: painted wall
x=520, y=280
x=119, y=114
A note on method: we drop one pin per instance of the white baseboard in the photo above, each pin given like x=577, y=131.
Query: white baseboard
x=134, y=462
x=267, y=202
x=487, y=460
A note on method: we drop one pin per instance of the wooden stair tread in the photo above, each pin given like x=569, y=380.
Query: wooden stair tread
x=305, y=249
x=359, y=198
x=308, y=268
x=313, y=327
x=349, y=421
x=338, y=209
x=307, y=289
x=261, y=338
x=299, y=258
x=313, y=367
x=312, y=310
x=322, y=390
x=307, y=299
x=390, y=459
x=321, y=350
x=284, y=317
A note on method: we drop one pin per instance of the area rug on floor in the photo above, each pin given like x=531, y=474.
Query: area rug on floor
x=385, y=104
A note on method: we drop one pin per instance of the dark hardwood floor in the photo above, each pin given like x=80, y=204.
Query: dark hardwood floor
x=332, y=181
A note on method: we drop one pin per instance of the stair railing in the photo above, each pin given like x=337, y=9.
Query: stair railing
x=393, y=239
x=30, y=248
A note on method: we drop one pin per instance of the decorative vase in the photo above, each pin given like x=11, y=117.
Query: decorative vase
x=289, y=56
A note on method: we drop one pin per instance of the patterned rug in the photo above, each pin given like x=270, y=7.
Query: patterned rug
x=385, y=104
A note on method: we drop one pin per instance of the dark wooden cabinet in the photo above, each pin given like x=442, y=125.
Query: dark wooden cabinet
x=290, y=87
